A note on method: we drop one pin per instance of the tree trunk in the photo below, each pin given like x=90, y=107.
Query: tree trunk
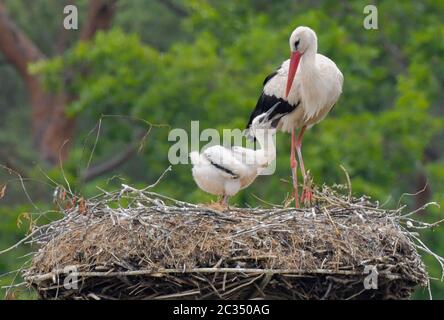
x=52, y=130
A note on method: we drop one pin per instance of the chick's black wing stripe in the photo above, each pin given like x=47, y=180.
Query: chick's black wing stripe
x=231, y=173
x=218, y=166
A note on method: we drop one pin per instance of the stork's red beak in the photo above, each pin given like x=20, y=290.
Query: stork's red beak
x=294, y=62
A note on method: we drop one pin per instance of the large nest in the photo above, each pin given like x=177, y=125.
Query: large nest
x=136, y=244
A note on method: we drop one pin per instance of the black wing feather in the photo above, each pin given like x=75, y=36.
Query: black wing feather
x=271, y=75
x=266, y=102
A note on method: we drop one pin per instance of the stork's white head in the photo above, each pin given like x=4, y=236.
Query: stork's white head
x=262, y=125
x=302, y=40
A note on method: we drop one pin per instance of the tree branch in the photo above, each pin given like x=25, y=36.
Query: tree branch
x=63, y=35
x=100, y=14
x=114, y=162
x=51, y=127
x=18, y=49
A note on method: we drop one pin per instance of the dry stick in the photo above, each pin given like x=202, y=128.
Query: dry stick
x=332, y=222
x=158, y=180
x=100, y=212
x=355, y=295
x=266, y=202
x=429, y=289
x=20, y=242
x=328, y=291
x=411, y=194
x=178, y=295
x=116, y=160
x=423, y=225
x=161, y=272
x=226, y=293
x=438, y=258
x=348, y=183
x=95, y=143
x=421, y=208
x=13, y=286
x=22, y=184
x=214, y=288
x=61, y=165
x=12, y=283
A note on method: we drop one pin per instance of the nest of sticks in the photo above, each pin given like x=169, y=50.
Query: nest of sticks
x=137, y=244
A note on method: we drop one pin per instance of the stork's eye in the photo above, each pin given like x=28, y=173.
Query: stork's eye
x=296, y=44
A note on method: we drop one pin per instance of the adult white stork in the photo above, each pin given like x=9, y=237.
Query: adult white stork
x=307, y=86
x=224, y=171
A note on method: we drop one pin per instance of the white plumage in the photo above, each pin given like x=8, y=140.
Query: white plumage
x=224, y=171
x=308, y=86
x=317, y=83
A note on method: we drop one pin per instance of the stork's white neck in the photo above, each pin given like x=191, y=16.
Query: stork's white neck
x=308, y=59
x=267, y=152
x=311, y=80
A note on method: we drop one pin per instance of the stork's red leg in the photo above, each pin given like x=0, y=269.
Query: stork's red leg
x=298, y=148
x=306, y=191
x=294, y=172
x=225, y=201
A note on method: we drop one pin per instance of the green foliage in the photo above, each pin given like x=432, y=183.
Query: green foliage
x=15, y=222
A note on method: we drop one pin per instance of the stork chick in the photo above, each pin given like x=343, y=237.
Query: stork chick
x=224, y=171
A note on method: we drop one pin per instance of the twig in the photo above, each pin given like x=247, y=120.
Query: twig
x=162, y=272
x=348, y=183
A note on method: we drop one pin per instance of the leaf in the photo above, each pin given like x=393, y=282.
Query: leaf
x=25, y=216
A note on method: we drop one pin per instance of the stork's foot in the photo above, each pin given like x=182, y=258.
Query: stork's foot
x=307, y=191
x=220, y=205
x=307, y=196
x=224, y=202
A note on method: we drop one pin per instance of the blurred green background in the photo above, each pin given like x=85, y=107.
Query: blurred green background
x=170, y=62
